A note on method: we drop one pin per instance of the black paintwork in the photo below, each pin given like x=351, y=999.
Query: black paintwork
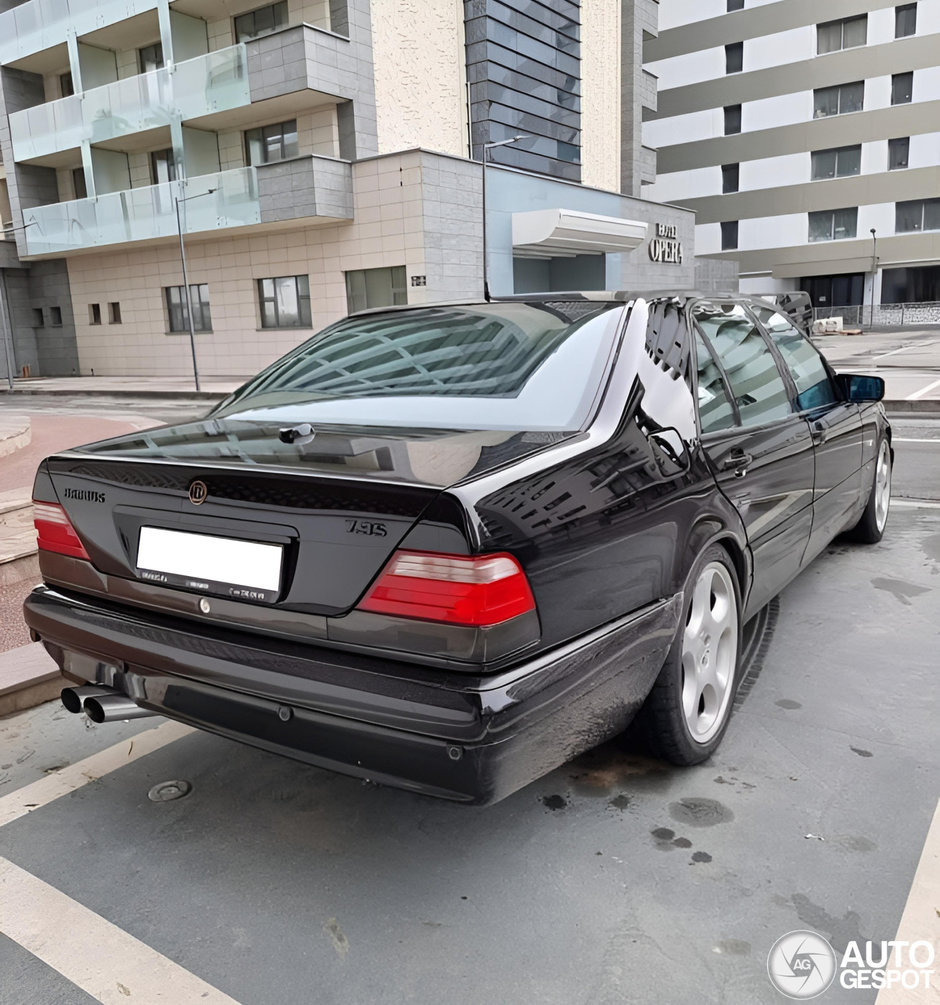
x=606, y=522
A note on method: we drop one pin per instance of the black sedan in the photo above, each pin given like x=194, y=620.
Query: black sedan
x=449, y=547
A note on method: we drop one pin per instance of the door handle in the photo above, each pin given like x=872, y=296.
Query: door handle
x=737, y=461
x=820, y=431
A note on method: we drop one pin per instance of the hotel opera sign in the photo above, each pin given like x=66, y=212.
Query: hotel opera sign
x=665, y=246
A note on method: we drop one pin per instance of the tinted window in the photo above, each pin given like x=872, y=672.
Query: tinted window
x=732, y=119
x=486, y=366
x=714, y=406
x=758, y=389
x=814, y=388
x=898, y=152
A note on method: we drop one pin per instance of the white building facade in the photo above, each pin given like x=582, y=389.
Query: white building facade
x=806, y=137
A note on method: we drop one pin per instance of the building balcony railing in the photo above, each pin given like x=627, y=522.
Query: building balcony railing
x=42, y=24
x=304, y=187
x=142, y=214
x=214, y=82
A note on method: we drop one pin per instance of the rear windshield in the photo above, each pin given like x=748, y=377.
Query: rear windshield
x=515, y=366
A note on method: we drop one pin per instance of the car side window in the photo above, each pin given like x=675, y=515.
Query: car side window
x=813, y=385
x=715, y=410
x=759, y=391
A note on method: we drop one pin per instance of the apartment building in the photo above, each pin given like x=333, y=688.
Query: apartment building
x=806, y=137
x=312, y=157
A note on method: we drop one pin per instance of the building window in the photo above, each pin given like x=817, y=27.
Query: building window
x=918, y=214
x=833, y=224
x=729, y=235
x=367, y=288
x=94, y=314
x=151, y=57
x=837, y=163
x=838, y=100
x=162, y=166
x=114, y=313
x=902, y=88
x=845, y=34
x=905, y=20
x=732, y=119
x=176, y=308
x=734, y=57
x=285, y=302
x=271, y=143
x=55, y=316
x=38, y=321
x=730, y=177
x=899, y=152
x=735, y=5
x=260, y=21
x=66, y=86
x=78, y=183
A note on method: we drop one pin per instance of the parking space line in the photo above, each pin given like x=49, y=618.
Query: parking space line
x=922, y=391
x=919, y=920
x=104, y=961
x=903, y=348
x=39, y=793
x=902, y=439
x=914, y=504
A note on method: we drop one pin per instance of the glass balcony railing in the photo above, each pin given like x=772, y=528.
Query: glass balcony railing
x=214, y=82
x=141, y=214
x=41, y=24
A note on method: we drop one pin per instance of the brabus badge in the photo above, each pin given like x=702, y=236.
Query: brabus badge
x=198, y=493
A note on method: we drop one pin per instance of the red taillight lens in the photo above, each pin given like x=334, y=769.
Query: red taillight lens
x=461, y=590
x=56, y=532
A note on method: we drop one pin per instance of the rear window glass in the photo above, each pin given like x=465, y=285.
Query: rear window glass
x=487, y=366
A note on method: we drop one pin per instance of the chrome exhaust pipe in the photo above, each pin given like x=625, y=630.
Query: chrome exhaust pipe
x=113, y=707
x=74, y=698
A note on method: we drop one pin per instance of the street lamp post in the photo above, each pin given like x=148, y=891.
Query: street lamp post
x=874, y=271
x=186, y=292
x=487, y=147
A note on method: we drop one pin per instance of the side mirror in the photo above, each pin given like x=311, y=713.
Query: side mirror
x=856, y=387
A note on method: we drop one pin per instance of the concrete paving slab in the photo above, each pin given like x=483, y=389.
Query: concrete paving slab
x=28, y=677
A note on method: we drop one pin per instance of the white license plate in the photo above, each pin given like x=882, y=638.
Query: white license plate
x=206, y=560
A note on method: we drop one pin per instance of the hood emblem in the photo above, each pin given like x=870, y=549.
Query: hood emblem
x=198, y=492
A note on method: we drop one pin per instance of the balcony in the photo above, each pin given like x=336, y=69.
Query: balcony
x=42, y=24
x=215, y=82
x=305, y=187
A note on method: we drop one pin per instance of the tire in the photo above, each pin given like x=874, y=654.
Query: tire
x=687, y=712
x=870, y=528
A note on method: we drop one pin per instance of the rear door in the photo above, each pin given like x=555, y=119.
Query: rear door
x=835, y=426
x=760, y=449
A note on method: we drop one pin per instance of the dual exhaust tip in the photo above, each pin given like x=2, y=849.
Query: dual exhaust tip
x=102, y=704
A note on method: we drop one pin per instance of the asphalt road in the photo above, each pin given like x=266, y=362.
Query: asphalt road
x=614, y=879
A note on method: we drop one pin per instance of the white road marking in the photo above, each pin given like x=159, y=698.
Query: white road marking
x=903, y=348
x=30, y=797
x=919, y=920
x=901, y=439
x=922, y=391
x=914, y=504
x=104, y=961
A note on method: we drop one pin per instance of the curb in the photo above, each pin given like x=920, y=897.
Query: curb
x=926, y=405
x=121, y=393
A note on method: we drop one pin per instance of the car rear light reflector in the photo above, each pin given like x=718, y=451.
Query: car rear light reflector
x=458, y=589
x=56, y=532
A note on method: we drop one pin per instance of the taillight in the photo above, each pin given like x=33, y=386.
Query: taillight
x=56, y=532
x=462, y=590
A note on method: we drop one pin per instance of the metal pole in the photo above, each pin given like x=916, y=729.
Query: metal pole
x=486, y=153
x=874, y=270
x=186, y=292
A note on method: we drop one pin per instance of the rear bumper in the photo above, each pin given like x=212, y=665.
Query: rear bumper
x=448, y=734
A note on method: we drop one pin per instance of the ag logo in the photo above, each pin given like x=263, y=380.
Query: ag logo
x=198, y=492
x=801, y=965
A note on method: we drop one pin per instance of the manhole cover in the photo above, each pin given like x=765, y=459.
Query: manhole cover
x=166, y=791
